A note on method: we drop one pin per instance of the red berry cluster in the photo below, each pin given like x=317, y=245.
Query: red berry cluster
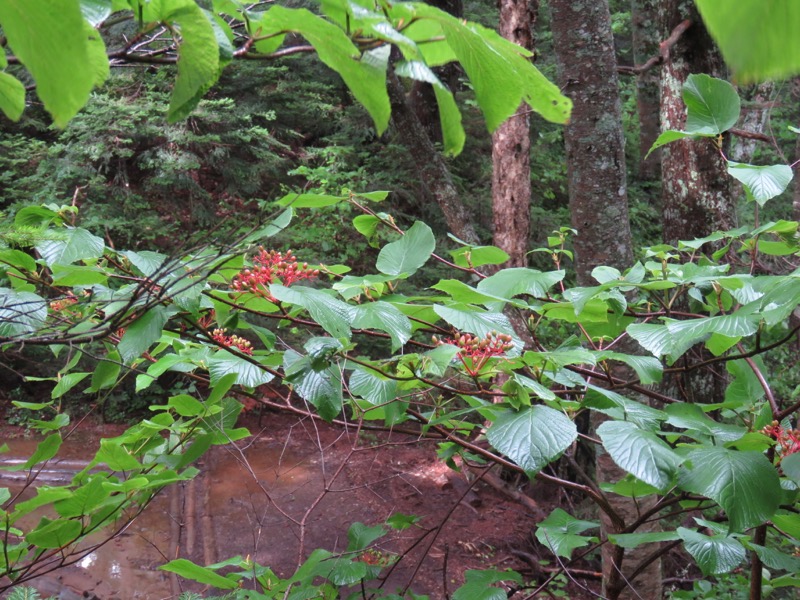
x=788, y=439
x=271, y=267
x=475, y=352
x=63, y=303
x=232, y=341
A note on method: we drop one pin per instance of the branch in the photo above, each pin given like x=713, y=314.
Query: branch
x=663, y=51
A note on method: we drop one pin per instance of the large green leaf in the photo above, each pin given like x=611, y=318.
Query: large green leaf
x=409, y=253
x=384, y=317
x=323, y=388
x=763, y=183
x=560, y=532
x=366, y=81
x=715, y=554
x=143, y=333
x=641, y=453
x=189, y=570
x=712, y=104
x=479, y=585
x=372, y=388
x=332, y=314
x=54, y=534
x=247, y=373
x=532, y=437
x=700, y=426
x=12, y=96
x=20, y=312
x=745, y=484
x=772, y=50
x=198, y=57
x=516, y=281
x=76, y=244
x=49, y=39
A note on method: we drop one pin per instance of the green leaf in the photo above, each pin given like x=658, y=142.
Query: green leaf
x=198, y=57
x=360, y=536
x=310, y=200
x=692, y=418
x=714, y=555
x=763, y=183
x=49, y=39
x=113, y=454
x=409, y=253
x=479, y=584
x=142, y=334
x=12, y=96
x=744, y=484
x=334, y=48
x=84, y=499
x=45, y=450
x=533, y=437
x=775, y=559
x=648, y=369
x=671, y=135
x=54, y=534
x=188, y=570
x=323, y=388
x=78, y=244
x=641, y=453
x=772, y=50
x=372, y=388
x=95, y=11
x=347, y=572
x=106, y=373
x=560, y=532
x=21, y=313
x=384, y=317
x=516, y=281
x=247, y=374
x=332, y=314
x=632, y=540
x=712, y=104
x=791, y=467
x=477, y=256
x=66, y=383
x=481, y=323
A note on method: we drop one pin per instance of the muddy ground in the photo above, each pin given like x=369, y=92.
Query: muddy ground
x=298, y=484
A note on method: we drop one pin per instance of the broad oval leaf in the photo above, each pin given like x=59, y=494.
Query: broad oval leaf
x=745, y=484
x=764, y=182
x=247, y=373
x=712, y=104
x=532, y=437
x=384, y=317
x=513, y=282
x=641, y=453
x=560, y=532
x=332, y=314
x=77, y=244
x=409, y=253
x=716, y=554
x=20, y=312
x=188, y=570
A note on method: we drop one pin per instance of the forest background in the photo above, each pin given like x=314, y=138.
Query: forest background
x=289, y=128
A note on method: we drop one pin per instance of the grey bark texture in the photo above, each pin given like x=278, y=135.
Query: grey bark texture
x=646, y=40
x=696, y=189
x=511, y=147
x=598, y=193
x=599, y=207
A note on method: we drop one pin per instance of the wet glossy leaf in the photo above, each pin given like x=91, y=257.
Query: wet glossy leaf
x=763, y=183
x=142, y=334
x=383, y=317
x=715, y=554
x=20, y=312
x=641, y=453
x=332, y=314
x=532, y=437
x=247, y=374
x=77, y=244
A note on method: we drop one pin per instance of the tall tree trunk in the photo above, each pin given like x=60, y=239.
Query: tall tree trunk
x=433, y=170
x=645, y=46
x=696, y=187
x=511, y=147
x=599, y=206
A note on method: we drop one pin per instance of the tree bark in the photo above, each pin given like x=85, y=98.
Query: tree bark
x=511, y=147
x=433, y=170
x=696, y=191
x=645, y=45
x=599, y=206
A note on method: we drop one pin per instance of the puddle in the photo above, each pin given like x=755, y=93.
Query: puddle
x=247, y=502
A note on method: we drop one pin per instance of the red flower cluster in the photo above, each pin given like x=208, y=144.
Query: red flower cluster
x=271, y=267
x=65, y=302
x=475, y=352
x=788, y=439
x=232, y=341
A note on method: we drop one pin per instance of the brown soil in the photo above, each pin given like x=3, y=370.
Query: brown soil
x=297, y=485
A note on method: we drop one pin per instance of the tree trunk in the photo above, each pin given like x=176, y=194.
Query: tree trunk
x=599, y=206
x=433, y=170
x=645, y=46
x=511, y=146
x=696, y=187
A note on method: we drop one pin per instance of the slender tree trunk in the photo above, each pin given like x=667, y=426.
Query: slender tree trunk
x=599, y=206
x=645, y=45
x=433, y=170
x=696, y=187
x=511, y=147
